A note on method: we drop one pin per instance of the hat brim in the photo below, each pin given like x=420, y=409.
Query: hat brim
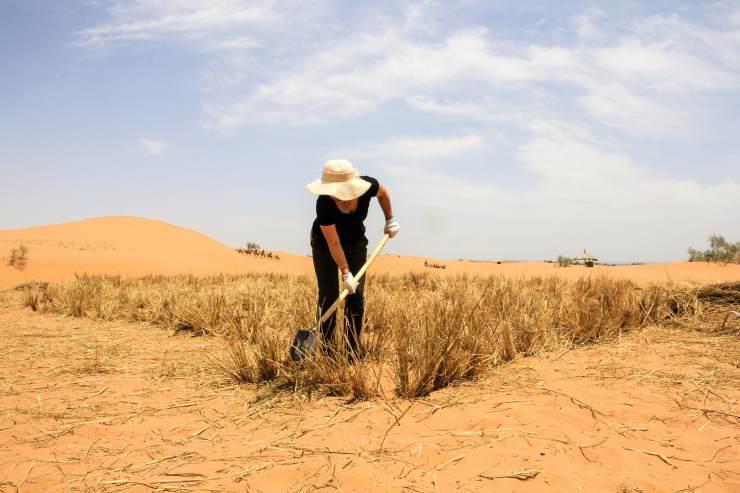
x=346, y=190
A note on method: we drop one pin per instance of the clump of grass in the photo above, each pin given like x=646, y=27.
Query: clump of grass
x=35, y=295
x=254, y=354
x=728, y=293
x=333, y=374
x=660, y=305
x=449, y=343
x=244, y=363
x=18, y=258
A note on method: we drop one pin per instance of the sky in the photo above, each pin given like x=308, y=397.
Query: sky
x=503, y=129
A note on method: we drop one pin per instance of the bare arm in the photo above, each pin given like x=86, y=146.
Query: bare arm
x=384, y=199
x=335, y=247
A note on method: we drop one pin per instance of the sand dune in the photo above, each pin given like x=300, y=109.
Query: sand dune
x=128, y=246
x=133, y=246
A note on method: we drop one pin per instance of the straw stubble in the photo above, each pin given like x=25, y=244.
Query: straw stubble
x=421, y=332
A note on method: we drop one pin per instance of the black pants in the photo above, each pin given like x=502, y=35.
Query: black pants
x=354, y=305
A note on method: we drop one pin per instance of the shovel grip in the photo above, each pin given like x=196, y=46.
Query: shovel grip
x=358, y=276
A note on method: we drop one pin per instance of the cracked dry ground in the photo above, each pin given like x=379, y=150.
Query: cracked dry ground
x=105, y=406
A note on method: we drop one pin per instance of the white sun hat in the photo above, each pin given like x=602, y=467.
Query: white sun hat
x=340, y=180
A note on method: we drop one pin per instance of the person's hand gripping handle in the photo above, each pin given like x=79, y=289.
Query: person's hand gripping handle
x=356, y=278
x=349, y=283
x=391, y=227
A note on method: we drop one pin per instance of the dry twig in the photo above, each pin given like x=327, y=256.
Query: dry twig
x=522, y=475
x=397, y=421
x=654, y=454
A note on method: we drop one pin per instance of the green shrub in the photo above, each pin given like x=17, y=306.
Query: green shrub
x=564, y=261
x=720, y=250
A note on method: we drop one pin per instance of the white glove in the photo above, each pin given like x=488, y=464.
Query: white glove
x=349, y=283
x=391, y=227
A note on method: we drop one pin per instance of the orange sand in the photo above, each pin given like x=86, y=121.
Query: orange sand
x=135, y=247
x=100, y=406
x=110, y=406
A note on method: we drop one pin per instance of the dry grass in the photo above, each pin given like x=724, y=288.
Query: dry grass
x=429, y=332
x=63, y=422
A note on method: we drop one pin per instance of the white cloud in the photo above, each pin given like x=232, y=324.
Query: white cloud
x=639, y=75
x=190, y=19
x=235, y=43
x=357, y=76
x=624, y=84
x=417, y=149
x=660, y=67
x=154, y=147
x=401, y=155
x=586, y=24
x=735, y=16
x=617, y=106
x=452, y=108
x=561, y=130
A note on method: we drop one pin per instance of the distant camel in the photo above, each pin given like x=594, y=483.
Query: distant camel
x=258, y=253
x=434, y=265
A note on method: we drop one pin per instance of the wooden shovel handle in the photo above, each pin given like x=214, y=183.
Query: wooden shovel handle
x=357, y=276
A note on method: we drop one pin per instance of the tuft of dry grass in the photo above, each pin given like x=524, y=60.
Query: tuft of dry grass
x=723, y=293
x=428, y=332
x=18, y=258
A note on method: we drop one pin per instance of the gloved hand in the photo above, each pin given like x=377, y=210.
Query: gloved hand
x=391, y=227
x=349, y=283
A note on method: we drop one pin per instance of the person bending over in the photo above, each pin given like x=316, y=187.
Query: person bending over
x=338, y=241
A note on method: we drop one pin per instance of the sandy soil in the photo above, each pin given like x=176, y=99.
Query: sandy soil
x=92, y=406
x=135, y=247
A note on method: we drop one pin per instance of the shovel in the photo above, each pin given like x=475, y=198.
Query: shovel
x=305, y=342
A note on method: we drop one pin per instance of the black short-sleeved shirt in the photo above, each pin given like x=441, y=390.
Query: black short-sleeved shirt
x=350, y=226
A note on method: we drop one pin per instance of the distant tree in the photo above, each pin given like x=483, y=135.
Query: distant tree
x=696, y=255
x=253, y=246
x=720, y=250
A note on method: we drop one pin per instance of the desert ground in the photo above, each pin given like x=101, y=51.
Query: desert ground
x=111, y=394
x=101, y=406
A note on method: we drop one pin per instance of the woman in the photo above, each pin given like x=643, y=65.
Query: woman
x=338, y=241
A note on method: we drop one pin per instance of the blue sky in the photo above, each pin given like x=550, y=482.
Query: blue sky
x=517, y=130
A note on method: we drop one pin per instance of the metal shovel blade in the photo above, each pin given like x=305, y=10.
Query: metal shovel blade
x=304, y=345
